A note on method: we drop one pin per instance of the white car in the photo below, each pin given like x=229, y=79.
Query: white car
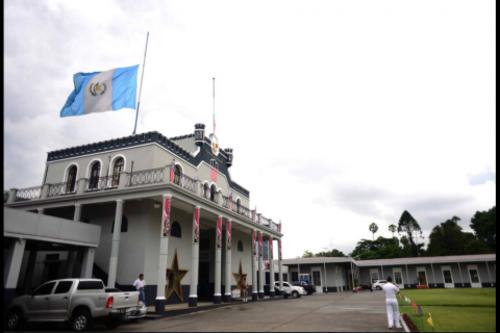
x=377, y=285
x=289, y=290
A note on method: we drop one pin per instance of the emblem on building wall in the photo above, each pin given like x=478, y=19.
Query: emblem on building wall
x=214, y=144
x=174, y=278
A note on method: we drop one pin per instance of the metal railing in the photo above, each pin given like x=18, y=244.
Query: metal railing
x=29, y=193
x=148, y=177
x=186, y=183
x=100, y=183
x=61, y=189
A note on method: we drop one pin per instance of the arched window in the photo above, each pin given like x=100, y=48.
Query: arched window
x=206, y=191
x=238, y=205
x=94, y=175
x=177, y=174
x=239, y=247
x=71, y=179
x=117, y=169
x=213, y=193
x=176, y=231
x=124, y=227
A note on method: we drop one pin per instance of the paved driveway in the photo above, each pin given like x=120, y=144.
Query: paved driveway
x=346, y=311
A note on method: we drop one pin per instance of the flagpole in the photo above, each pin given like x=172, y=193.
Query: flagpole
x=140, y=86
x=213, y=102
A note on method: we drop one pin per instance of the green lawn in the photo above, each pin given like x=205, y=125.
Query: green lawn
x=453, y=310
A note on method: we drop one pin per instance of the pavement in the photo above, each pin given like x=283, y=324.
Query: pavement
x=347, y=311
x=332, y=312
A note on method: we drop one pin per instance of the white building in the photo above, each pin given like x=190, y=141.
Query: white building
x=167, y=208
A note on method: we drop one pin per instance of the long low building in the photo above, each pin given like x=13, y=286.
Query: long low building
x=341, y=273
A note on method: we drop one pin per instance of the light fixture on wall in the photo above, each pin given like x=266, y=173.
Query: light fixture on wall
x=156, y=204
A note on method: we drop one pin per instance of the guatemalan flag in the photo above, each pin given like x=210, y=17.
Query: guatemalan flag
x=102, y=91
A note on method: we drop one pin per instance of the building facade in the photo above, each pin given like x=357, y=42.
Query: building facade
x=167, y=208
x=341, y=273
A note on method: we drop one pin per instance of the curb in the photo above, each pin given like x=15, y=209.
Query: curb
x=404, y=324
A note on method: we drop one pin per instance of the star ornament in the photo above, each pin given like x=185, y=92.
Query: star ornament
x=174, y=278
x=240, y=278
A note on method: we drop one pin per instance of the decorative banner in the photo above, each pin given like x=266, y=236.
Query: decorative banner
x=279, y=249
x=254, y=245
x=219, y=231
x=172, y=171
x=228, y=235
x=261, y=244
x=414, y=305
x=196, y=225
x=270, y=249
x=166, y=217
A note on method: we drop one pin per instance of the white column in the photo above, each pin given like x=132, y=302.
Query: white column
x=78, y=213
x=261, y=265
x=461, y=277
x=254, y=265
x=12, y=267
x=193, y=289
x=280, y=269
x=433, y=276
x=489, y=274
x=218, y=260
x=326, y=283
x=115, y=245
x=88, y=262
x=163, y=253
x=271, y=267
x=228, y=280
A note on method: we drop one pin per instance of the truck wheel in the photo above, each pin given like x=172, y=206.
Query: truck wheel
x=295, y=294
x=81, y=320
x=14, y=320
x=112, y=323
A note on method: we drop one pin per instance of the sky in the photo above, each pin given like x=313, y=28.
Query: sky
x=340, y=113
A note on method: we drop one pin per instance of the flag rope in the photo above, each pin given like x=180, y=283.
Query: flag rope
x=140, y=86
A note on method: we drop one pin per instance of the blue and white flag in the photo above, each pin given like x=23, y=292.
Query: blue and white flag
x=102, y=91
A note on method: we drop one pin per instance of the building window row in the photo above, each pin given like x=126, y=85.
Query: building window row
x=95, y=175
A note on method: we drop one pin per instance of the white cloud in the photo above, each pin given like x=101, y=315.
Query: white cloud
x=340, y=113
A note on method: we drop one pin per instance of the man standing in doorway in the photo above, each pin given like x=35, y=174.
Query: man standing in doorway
x=391, y=303
x=139, y=286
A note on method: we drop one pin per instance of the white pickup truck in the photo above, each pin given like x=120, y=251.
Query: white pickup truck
x=289, y=290
x=77, y=301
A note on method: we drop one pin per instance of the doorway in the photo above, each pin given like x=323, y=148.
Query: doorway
x=447, y=277
x=421, y=276
x=316, y=280
x=398, y=277
x=475, y=282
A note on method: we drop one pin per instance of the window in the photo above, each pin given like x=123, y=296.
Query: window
x=63, y=287
x=45, y=289
x=213, y=193
x=89, y=285
x=177, y=174
x=94, y=175
x=52, y=256
x=238, y=205
x=214, y=164
x=71, y=179
x=117, y=169
x=285, y=276
x=206, y=191
x=240, y=246
x=176, y=230
x=124, y=227
x=295, y=276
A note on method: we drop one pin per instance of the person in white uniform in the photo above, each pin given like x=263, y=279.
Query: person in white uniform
x=391, y=303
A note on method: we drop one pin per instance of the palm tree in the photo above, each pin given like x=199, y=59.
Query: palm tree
x=393, y=228
x=373, y=228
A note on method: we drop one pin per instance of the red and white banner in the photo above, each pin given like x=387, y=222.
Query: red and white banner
x=172, y=172
x=228, y=234
x=166, y=217
x=219, y=231
x=254, y=243
x=261, y=244
x=270, y=248
x=196, y=225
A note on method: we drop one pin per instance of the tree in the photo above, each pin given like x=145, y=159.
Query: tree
x=332, y=253
x=380, y=248
x=484, y=226
x=307, y=254
x=373, y=228
x=393, y=228
x=407, y=224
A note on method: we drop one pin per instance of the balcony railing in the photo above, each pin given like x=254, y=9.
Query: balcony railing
x=30, y=193
x=61, y=189
x=140, y=178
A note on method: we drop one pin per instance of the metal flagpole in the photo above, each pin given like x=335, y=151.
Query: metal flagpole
x=140, y=86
